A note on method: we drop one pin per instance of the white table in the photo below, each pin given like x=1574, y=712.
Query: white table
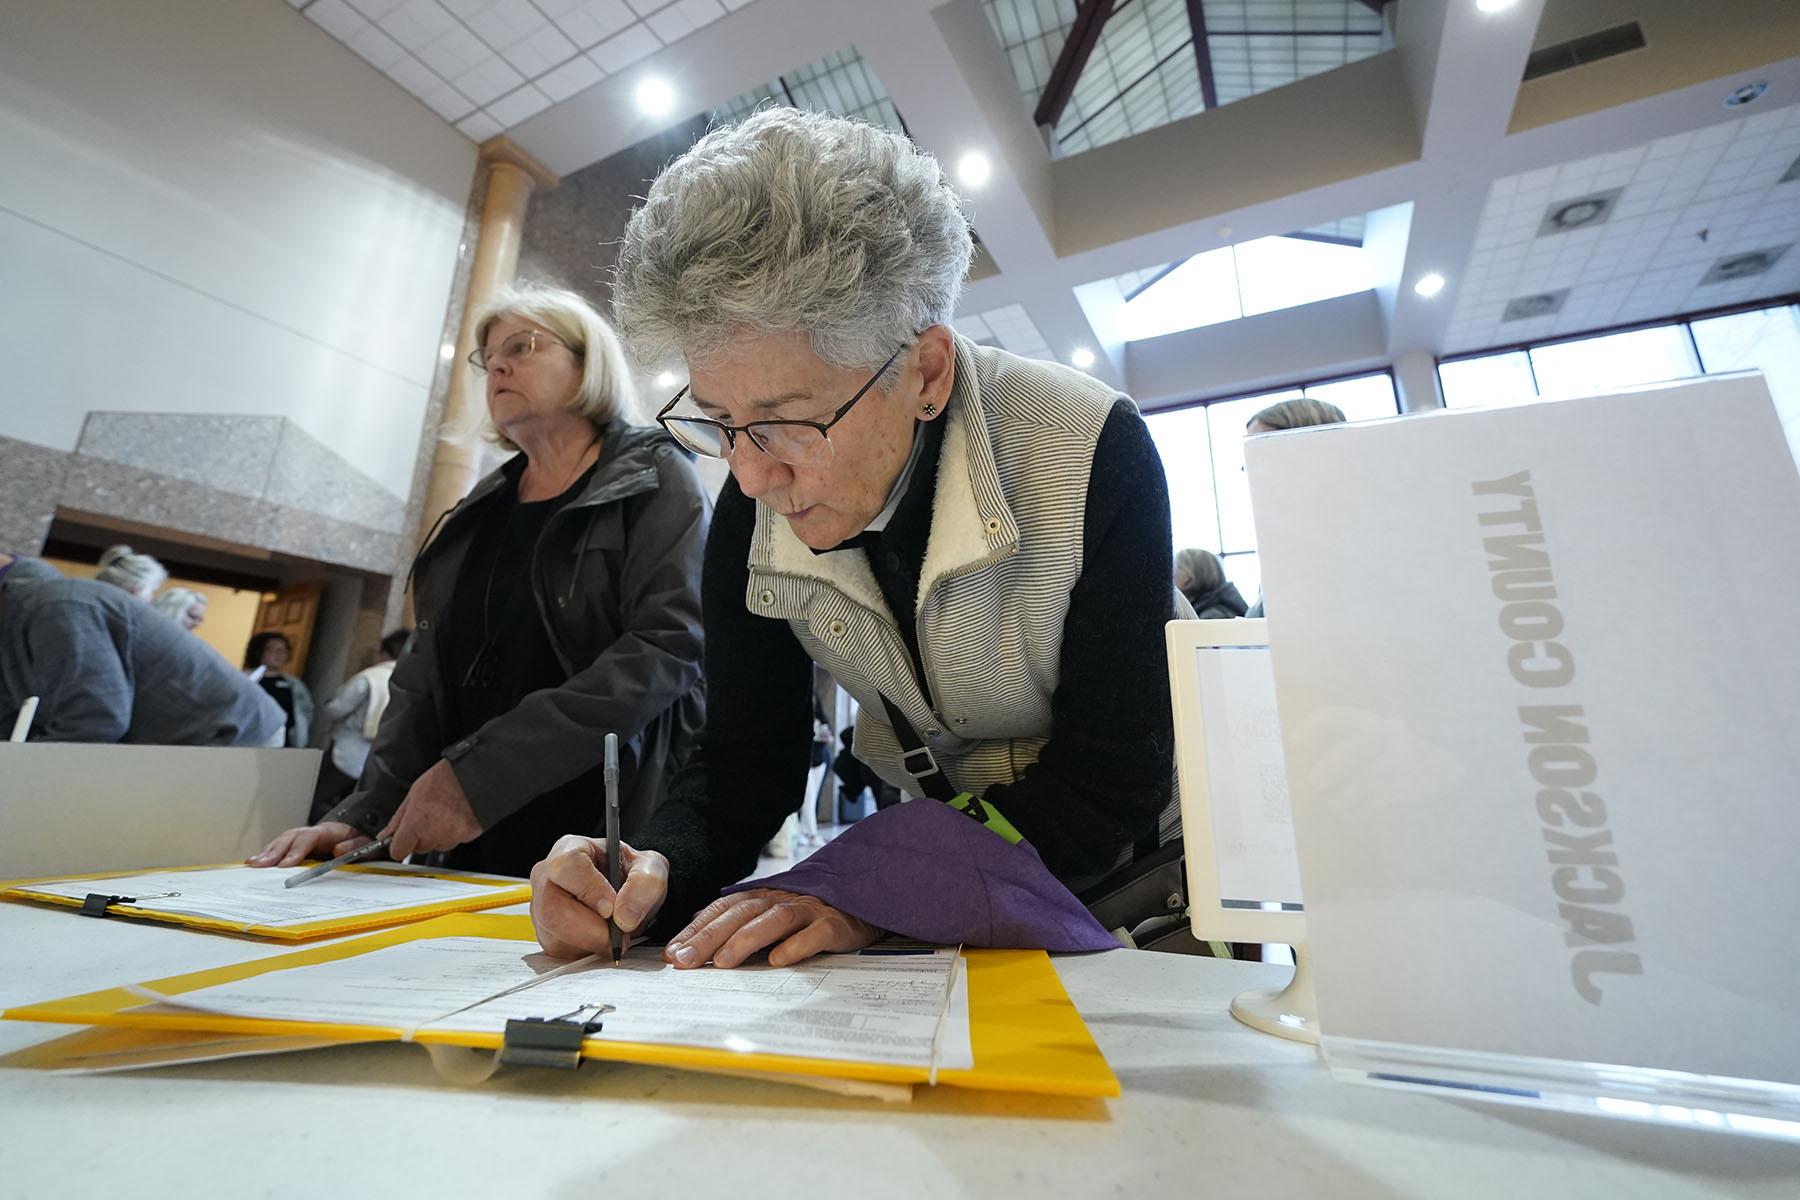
x=1210, y=1108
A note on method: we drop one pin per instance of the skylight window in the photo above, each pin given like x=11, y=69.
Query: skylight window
x=1262, y=276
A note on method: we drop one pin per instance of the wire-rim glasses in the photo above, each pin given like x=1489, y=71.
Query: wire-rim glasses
x=515, y=349
x=796, y=443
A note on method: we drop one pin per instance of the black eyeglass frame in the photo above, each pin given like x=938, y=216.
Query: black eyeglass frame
x=749, y=428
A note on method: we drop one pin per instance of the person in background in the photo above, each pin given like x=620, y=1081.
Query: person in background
x=348, y=722
x=184, y=606
x=1201, y=578
x=1297, y=413
x=265, y=662
x=559, y=602
x=976, y=546
x=135, y=574
x=107, y=669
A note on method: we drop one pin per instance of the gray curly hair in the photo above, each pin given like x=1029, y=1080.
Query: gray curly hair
x=792, y=222
x=1298, y=413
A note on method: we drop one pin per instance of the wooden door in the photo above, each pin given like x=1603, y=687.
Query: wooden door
x=291, y=612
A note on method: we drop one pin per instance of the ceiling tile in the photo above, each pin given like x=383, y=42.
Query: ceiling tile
x=623, y=49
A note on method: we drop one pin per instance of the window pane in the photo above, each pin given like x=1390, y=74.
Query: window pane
x=1281, y=272
x=1619, y=360
x=1245, y=570
x=1201, y=291
x=1237, y=530
x=1181, y=440
x=1496, y=381
x=1767, y=341
x=1363, y=399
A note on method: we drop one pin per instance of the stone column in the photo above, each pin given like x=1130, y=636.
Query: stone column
x=512, y=176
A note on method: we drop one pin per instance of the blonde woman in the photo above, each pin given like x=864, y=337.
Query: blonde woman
x=559, y=602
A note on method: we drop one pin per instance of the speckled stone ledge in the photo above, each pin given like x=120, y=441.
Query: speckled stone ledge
x=259, y=457
x=93, y=485
x=31, y=478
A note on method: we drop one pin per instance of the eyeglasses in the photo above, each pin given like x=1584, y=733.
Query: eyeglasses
x=515, y=349
x=796, y=443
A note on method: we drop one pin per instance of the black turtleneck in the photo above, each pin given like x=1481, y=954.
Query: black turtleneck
x=1101, y=780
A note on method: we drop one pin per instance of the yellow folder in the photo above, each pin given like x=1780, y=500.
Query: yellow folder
x=1025, y=1033
x=496, y=891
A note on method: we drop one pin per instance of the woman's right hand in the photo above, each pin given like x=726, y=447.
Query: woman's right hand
x=327, y=839
x=571, y=901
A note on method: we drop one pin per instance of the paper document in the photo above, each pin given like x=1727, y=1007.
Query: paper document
x=883, y=1008
x=248, y=896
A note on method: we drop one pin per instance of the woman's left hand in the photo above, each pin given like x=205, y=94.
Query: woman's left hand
x=732, y=928
x=434, y=816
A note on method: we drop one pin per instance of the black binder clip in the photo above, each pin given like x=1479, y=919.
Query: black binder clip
x=550, y=1041
x=96, y=902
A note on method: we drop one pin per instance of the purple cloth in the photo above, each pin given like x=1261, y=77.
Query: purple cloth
x=926, y=871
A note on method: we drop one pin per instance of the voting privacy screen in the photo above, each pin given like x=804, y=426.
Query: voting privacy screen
x=1538, y=672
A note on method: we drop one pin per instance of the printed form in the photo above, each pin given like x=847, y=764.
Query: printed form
x=892, y=1008
x=249, y=896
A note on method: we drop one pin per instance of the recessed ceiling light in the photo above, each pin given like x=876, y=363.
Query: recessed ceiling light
x=667, y=379
x=1429, y=285
x=1747, y=93
x=1744, y=265
x=973, y=169
x=447, y=350
x=655, y=97
x=1578, y=212
x=1082, y=358
x=1493, y=6
x=1542, y=304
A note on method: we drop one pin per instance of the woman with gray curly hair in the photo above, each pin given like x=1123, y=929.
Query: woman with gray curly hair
x=975, y=545
x=558, y=602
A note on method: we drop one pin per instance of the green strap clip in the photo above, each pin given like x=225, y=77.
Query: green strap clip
x=981, y=810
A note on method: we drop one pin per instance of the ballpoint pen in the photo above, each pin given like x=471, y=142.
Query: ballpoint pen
x=367, y=850
x=614, y=934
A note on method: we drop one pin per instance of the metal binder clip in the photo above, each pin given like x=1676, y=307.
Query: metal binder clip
x=550, y=1041
x=96, y=902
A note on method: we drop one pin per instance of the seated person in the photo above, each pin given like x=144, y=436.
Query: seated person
x=976, y=546
x=559, y=601
x=1200, y=576
x=106, y=667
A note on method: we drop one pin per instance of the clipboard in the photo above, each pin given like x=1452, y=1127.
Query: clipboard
x=1025, y=1032
x=495, y=891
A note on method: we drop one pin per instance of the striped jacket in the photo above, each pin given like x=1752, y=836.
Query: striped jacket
x=1005, y=550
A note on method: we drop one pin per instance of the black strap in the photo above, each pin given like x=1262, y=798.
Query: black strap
x=919, y=762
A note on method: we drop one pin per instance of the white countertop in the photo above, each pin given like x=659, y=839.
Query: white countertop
x=1210, y=1108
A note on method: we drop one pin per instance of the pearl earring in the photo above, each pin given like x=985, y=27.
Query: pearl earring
x=931, y=410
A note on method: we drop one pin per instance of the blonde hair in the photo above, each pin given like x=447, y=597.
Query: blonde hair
x=138, y=574
x=606, y=390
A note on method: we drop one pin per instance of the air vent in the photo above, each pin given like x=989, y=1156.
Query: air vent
x=1523, y=308
x=1593, y=47
x=1743, y=266
x=1578, y=212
